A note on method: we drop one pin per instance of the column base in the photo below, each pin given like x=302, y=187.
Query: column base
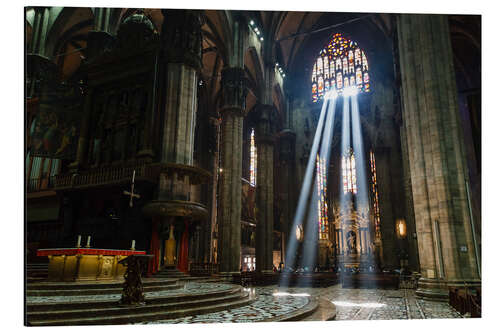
x=438, y=290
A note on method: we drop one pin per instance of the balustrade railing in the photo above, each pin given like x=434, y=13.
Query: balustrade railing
x=103, y=175
x=40, y=184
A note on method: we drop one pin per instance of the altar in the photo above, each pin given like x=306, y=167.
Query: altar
x=85, y=264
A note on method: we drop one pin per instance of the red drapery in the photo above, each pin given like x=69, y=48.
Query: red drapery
x=182, y=258
x=154, y=249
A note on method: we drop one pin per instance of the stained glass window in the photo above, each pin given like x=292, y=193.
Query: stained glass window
x=376, y=209
x=344, y=63
x=253, y=159
x=348, y=166
x=322, y=202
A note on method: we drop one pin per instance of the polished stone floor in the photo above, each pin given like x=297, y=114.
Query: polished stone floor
x=271, y=303
x=379, y=304
x=351, y=304
x=268, y=306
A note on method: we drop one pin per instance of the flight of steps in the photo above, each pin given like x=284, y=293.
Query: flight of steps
x=37, y=271
x=95, y=288
x=108, y=311
x=171, y=272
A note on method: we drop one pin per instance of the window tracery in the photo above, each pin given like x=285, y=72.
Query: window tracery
x=340, y=65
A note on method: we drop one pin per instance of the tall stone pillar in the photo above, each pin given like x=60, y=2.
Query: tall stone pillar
x=100, y=38
x=42, y=72
x=234, y=92
x=436, y=155
x=288, y=184
x=265, y=140
x=181, y=58
x=387, y=214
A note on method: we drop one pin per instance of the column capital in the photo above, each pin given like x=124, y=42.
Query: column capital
x=234, y=88
x=265, y=129
x=181, y=36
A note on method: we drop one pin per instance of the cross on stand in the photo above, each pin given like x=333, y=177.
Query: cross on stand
x=131, y=193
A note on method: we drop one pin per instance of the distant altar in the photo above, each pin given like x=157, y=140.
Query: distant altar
x=85, y=264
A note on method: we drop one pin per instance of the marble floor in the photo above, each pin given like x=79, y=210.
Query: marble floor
x=379, y=304
x=267, y=306
x=351, y=304
x=271, y=303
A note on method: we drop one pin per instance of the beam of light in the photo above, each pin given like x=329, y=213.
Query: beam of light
x=282, y=294
x=362, y=200
x=304, y=194
x=332, y=94
x=362, y=305
x=359, y=154
x=351, y=91
x=345, y=144
x=312, y=233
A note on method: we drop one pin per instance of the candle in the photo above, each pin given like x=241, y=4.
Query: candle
x=133, y=244
x=88, y=241
x=79, y=241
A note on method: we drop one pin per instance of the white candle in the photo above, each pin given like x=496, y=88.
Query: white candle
x=79, y=241
x=133, y=244
x=88, y=241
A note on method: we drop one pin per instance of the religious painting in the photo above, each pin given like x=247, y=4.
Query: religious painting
x=55, y=127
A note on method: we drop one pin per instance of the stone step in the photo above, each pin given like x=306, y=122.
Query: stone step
x=93, y=304
x=95, y=284
x=325, y=311
x=135, y=317
x=96, y=291
x=120, y=310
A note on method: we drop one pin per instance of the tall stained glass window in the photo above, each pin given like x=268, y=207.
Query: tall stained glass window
x=322, y=202
x=348, y=166
x=376, y=209
x=340, y=65
x=253, y=159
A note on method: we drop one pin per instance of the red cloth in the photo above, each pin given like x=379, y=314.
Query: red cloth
x=84, y=250
x=182, y=262
x=154, y=249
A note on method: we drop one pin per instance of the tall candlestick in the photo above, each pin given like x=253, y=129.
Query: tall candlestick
x=79, y=241
x=88, y=242
x=133, y=244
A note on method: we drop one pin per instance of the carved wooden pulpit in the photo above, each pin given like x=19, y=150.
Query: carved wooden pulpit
x=132, y=293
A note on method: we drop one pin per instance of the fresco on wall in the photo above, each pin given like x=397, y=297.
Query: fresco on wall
x=55, y=128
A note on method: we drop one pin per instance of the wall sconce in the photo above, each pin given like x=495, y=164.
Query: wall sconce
x=401, y=228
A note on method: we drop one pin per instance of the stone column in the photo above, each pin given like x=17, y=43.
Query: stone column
x=182, y=56
x=100, y=38
x=288, y=184
x=436, y=155
x=410, y=214
x=234, y=92
x=41, y=72
x=40, y=30
x=265, y=190
x=180, y=62
x=387, y=214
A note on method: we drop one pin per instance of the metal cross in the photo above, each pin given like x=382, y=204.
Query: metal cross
x=131, y=193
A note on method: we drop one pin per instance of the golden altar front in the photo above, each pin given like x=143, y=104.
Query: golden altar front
x=85, y=264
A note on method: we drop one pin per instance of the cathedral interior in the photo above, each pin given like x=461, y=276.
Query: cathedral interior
x=241, y=166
